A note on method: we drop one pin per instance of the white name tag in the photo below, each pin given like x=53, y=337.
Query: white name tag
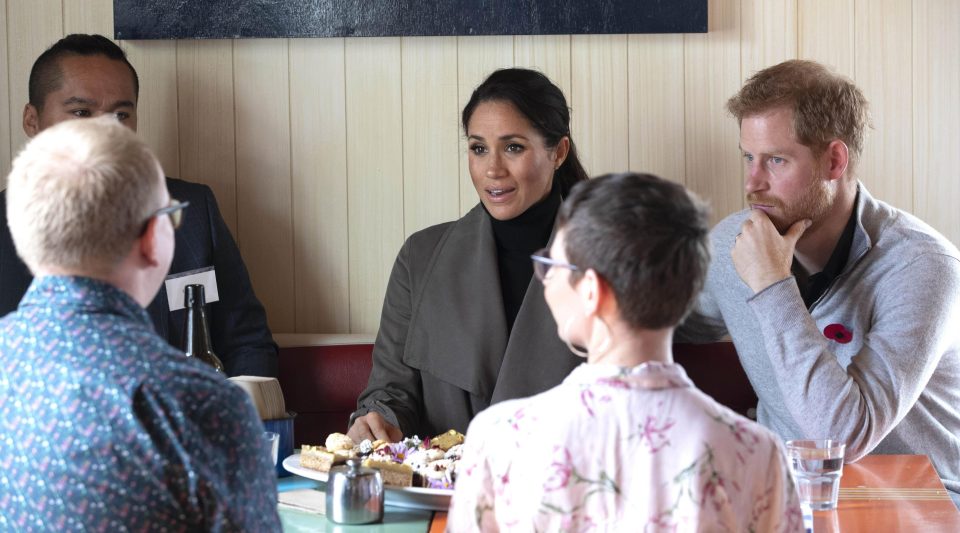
x=175, y=284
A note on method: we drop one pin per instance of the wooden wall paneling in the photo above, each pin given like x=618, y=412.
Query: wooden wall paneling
x=321, y=133
x=711, y=76
x=768, y=34
x=264, y=204
x=431, y=180
x=207, y=140
x=600, y=103
x=549, y=54
x=656, y=121
x=825, y=29
x=477, y=57
x=375, y=173
x=157, y=120
x=936, y=115
x=6, y=118
x=31, y=28
x=88, y=16
x=318, y=143
x=883, y=64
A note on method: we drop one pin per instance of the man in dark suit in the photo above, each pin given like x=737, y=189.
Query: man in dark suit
x=87, y=76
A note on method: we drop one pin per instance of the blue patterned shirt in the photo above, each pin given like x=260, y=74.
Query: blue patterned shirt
x=105, y=427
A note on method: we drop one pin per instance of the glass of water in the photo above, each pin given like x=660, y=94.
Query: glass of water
x=817, y=465
x=272, y=441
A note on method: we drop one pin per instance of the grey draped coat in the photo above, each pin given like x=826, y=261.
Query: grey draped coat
x=443, y=353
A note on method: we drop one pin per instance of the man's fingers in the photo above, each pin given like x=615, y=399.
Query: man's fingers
x=757, y=216
x=394, y=434
x=374, y=427
x=796, y=230
x=383, y=430
x=360, y=430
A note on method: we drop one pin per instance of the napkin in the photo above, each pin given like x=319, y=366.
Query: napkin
x=266, y=395
x=309, y=500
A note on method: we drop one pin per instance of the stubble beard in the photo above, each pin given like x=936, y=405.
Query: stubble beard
x=814, y=204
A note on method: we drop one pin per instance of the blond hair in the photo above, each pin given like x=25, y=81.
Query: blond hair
x=80, y=193
x=825, y=106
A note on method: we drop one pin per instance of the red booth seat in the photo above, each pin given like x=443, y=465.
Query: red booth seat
x=322, y=376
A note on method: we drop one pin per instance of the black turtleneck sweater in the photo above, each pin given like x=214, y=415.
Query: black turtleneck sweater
x=516, y=240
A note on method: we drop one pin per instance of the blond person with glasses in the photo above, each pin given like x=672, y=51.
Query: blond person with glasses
x=106, y=426
x=174, y=211
x=626, y=442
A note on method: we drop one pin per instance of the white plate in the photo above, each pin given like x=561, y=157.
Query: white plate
x=408, y=497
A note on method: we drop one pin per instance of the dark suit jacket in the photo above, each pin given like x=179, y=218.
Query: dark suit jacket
x=442, y=353
x=238, y=323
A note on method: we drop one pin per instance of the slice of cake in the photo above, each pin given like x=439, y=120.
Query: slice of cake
x=394, y=474
x=439, y=474
x=320, y=458
x=447, y=440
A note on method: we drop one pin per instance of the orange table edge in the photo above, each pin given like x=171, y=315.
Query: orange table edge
x=890, y=493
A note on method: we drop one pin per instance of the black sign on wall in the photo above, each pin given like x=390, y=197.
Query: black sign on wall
x=232, y=19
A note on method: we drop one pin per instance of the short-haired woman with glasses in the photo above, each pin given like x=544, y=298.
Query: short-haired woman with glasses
x=464, y=324
x=626, y=442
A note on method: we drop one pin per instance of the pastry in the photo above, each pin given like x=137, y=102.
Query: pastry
x=429, y=463
x=319, y=458
x=447, y=440
x=339, y=441
x=394, y=474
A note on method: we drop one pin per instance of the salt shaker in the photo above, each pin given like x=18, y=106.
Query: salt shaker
x=354, y=494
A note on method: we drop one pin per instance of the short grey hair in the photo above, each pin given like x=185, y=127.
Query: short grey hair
x=80, y=193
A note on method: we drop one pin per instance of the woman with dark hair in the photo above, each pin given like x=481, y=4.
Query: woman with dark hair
x=626, y=442
x=464, y=324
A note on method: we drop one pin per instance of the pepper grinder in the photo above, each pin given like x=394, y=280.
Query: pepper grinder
x=354, y=494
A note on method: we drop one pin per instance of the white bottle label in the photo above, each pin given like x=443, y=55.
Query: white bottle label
x=202, y=276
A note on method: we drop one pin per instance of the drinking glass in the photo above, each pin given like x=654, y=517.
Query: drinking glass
x=817, y=465
x=272, y=441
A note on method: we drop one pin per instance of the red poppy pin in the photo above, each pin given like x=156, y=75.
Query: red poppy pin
x=838, y=332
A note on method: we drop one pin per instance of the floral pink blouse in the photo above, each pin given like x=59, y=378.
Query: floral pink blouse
x=626, y=449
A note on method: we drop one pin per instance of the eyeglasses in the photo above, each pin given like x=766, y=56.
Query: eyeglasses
x=174, y=211
x=542, y=263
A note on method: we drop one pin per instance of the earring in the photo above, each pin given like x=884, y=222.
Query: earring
x=565, y=337
x=604, y=347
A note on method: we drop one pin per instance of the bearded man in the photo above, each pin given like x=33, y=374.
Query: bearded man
x=844, y=310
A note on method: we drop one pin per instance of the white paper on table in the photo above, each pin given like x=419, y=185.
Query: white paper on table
x=309, y=500
x=201, y=276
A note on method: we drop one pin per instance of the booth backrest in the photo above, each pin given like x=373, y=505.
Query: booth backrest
x=715, y=369
x=322, y=383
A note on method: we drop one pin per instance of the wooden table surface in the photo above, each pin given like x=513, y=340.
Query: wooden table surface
x=878, y=493
x=890, y=493
x=439, y=522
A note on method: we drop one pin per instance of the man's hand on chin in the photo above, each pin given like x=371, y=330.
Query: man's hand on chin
x=760, y=254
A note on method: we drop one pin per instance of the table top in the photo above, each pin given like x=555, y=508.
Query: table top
x=878, y=493
x=395, y=519
x=890, y=493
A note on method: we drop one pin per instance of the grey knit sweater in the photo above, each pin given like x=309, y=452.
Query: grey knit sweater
x=887, y=380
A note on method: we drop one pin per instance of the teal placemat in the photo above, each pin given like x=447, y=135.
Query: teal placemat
x=294, y=482
x=395, y=520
